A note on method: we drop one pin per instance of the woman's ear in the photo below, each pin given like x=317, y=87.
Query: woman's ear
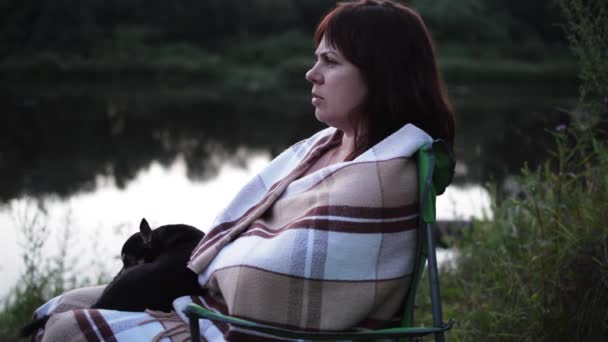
x=145, y=231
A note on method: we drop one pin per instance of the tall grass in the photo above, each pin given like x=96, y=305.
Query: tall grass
x=45, y=274
x=538, y=271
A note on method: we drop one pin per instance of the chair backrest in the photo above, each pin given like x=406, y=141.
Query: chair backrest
x=435, y=172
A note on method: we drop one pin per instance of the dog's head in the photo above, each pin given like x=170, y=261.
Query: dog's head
x=147, y=245
x=140, y=248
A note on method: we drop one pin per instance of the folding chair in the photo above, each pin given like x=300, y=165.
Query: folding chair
x=435, y=172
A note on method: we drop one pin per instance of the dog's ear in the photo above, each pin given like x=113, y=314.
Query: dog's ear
x=145, y=231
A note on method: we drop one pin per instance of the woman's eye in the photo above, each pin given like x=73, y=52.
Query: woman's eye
x=329, y=61
x=324, y=59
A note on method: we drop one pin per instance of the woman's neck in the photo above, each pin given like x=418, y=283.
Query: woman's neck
x=349, y=145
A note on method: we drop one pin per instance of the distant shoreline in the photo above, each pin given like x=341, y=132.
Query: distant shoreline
x=286, y=75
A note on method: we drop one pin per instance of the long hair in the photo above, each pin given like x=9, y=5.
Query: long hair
x=394, y=51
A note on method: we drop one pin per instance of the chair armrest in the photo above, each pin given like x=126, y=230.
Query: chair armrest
x=194, y=311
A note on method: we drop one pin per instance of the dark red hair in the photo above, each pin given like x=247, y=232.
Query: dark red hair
x=394, y=51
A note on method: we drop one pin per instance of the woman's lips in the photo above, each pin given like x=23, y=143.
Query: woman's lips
x=316, y=99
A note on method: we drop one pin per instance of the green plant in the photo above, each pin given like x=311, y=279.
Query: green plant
x=44, y=276
x=539, y=269
x=587, y=32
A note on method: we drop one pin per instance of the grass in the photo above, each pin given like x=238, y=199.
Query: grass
x=45, y=274
x=538, y=270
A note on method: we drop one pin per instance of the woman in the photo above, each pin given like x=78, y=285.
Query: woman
x=322, y=239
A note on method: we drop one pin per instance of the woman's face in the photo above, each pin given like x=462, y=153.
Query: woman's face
x=338, y=89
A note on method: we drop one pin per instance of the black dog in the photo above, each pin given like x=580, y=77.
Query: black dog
x=154, y=272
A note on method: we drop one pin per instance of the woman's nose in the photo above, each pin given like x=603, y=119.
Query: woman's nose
x=313, y=75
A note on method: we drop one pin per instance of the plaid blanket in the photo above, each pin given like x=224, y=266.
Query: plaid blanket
x=330, y=250
x=73, y=321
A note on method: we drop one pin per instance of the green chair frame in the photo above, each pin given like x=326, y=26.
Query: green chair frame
x=435, y=172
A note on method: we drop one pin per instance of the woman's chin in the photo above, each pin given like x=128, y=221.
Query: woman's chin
x=322, y=118
x=331, y=120
x=318, y=115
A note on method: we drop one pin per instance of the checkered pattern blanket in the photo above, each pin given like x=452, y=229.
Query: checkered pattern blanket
x=328, y=250
x=331, y=250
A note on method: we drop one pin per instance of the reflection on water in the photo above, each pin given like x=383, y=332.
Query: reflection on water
x=107, y=216
x=59, y=144
x=463, y=202
x=106, y=157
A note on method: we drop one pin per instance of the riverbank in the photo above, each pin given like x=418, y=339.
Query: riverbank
x=274, y=62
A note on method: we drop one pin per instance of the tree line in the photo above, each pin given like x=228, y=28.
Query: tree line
x=31, y=26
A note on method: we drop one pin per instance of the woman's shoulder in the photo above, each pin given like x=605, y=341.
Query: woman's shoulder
x=380, y=184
